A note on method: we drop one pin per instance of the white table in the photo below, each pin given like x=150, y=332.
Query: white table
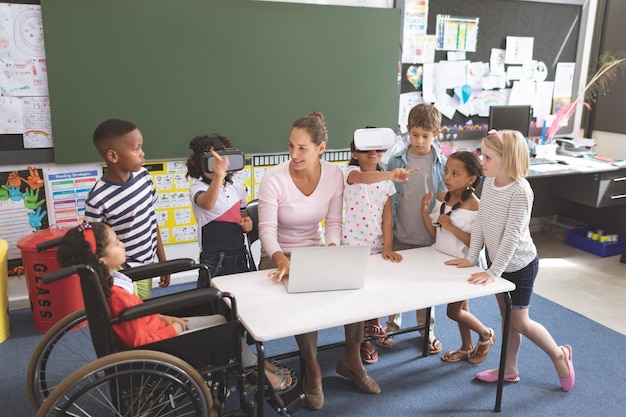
x=421, y=280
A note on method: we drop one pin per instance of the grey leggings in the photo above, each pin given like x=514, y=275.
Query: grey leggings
x=307, y=342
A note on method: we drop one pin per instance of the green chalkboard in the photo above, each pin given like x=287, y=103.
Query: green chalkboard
x=245, y=69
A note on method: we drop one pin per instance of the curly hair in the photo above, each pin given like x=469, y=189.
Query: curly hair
x=75, y=250
x=200, y=145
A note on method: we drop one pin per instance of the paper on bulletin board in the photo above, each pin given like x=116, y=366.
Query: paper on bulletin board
x=522, y=93
x=429, y=83
x=24, y=78
x=244, y=177
x=11, y=115
x=67, y=188
x=456, y=33
x=543, y=99
x=175, y=218
x=519, y=50
x=407, y=102
x=564, y=80
x=21, y=31
x=418, y=49
x=36, y=122
x=22, y=206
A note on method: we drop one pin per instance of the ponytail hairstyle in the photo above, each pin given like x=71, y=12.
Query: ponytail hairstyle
x=77, y=248
x=472, y=165
x=315, y=125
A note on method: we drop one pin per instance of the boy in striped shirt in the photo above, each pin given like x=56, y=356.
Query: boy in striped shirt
x=124, y=197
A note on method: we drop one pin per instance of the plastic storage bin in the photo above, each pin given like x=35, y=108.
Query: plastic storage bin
x=578, y=239
x=558, y=226
x=4, y=292
x=49, y=302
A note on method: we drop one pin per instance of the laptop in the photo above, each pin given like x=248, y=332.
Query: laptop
x=327, y=268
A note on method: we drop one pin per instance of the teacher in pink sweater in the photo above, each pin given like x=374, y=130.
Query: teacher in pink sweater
x=294, y=197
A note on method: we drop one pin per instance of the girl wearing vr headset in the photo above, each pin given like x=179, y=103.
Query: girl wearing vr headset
x=219, y=206
x=367, y=195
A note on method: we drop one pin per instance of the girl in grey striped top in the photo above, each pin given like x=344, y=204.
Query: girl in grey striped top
x=502, y=226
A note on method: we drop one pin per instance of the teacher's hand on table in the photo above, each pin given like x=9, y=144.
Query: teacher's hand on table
x=282, y=267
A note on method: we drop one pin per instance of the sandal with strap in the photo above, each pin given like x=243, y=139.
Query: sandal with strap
x=456, y=355
x=368, y=356
x=433, y=348
x=385, y=342
x=475, y=357
x=374, y=330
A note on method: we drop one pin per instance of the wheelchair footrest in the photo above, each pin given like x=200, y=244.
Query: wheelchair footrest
x=289, y=402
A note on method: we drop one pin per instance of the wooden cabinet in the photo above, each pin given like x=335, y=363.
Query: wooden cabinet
x=604, y=189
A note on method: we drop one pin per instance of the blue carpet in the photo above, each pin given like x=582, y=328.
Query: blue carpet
x=412, y=385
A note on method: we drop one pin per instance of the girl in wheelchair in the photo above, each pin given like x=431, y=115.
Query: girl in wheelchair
x=96, y=245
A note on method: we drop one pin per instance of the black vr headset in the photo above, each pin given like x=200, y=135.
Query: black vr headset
x=236, y=158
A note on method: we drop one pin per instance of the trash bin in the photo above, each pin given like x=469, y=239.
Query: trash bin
x=4, y=292
x=49, y=302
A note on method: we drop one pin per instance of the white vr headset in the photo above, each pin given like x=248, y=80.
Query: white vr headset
x=374, y=139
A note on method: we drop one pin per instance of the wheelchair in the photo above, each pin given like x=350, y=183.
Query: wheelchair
x=189, y=374
x=67, y=345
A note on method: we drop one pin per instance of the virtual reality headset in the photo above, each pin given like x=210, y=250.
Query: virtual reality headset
x=374, y=139
x=236, y=158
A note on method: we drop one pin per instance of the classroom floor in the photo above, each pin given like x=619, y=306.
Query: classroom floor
x=583, y=282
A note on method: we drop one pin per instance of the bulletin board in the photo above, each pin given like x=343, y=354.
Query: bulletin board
x=555, y=26
x=12, y=148
x=245, y=69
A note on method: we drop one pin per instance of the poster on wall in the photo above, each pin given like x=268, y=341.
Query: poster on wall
x=67, y=188
x=22, y=207
x=175, y=218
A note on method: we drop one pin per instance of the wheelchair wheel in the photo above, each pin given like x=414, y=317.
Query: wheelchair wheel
x=63, y=349
x=132, y=383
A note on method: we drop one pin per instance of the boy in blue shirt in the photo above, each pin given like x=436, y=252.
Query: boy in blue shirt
x=124, y=197
x=424, y=125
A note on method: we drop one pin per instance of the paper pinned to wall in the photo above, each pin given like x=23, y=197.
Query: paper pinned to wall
x=564, y=79
x=11, y=115
x=519, y=49
x=36, y=122
x=455, y=33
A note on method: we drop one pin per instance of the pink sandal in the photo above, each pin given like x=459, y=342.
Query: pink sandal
x=374, y=330
x=368, y=356
x=568, y=382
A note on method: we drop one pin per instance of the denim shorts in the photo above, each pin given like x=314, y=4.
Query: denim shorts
x=524, y=280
